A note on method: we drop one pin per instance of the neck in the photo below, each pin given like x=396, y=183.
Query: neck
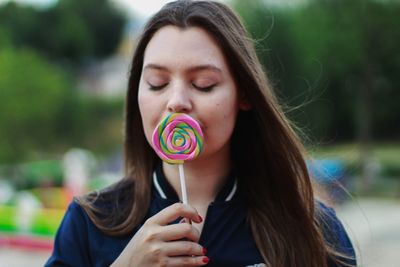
x=204, y=178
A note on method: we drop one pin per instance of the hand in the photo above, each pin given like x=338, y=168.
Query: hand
x=159, y=244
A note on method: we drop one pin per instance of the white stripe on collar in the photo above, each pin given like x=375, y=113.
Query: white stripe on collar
x=232, y=193
x=162, y=194
x=158, y=187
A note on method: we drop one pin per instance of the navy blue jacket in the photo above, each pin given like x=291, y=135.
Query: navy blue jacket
x=225, y=233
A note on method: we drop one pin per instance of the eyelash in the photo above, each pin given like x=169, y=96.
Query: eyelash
x=203, y=89
x=158, y=87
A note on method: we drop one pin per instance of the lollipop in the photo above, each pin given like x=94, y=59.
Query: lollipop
x=177, y=138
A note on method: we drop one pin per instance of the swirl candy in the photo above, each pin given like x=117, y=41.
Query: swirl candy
x=178, y=137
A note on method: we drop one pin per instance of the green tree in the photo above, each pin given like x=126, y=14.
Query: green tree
x=32, y=94
x=276, y=46
x=42, y=115
x=347, y=52
x=71, y=31
x=338, y=57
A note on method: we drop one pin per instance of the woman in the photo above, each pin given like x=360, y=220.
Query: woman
x=250, y=195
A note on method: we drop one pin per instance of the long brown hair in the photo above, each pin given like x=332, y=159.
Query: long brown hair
x=266, y=152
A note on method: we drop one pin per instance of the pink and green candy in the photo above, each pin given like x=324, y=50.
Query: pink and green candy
x=177, y=138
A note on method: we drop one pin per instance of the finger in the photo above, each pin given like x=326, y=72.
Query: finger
x=187, y=261
x=185, y=220
x=180, y=231
x=184, y=248
x=173, y=212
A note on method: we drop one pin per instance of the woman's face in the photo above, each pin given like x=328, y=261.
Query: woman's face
x=185, y=71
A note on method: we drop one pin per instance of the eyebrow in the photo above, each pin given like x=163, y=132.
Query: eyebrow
x=191, y=69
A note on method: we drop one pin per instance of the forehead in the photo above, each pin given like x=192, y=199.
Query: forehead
x=177, y=46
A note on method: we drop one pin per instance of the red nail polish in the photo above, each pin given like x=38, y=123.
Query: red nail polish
x=200, y=219
x=204, y=251
x=206, y=259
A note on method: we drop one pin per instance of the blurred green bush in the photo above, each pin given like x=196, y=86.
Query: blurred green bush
x=42, y=53
x=32, y=95
x=43, y=114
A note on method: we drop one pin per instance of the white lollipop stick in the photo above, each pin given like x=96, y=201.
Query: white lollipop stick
x=183, y=184
x=183, y=187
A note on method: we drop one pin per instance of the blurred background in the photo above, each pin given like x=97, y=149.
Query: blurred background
x=64, y=65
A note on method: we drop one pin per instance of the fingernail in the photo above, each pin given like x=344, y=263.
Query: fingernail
x=204, y=251
x=183, y=220
x=200, y=219
x=206, y=259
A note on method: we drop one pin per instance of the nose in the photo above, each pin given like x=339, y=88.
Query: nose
x=179, y=100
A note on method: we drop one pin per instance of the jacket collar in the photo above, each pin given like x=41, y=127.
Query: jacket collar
x=164, y=189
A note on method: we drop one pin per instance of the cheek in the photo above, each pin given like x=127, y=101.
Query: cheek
x=222, y=120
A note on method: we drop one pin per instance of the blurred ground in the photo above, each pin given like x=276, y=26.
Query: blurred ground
x=22, y=258
x=373, y=224
x=374, y=227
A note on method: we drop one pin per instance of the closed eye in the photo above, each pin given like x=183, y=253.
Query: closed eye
x=156, y=87
x=204, y=89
